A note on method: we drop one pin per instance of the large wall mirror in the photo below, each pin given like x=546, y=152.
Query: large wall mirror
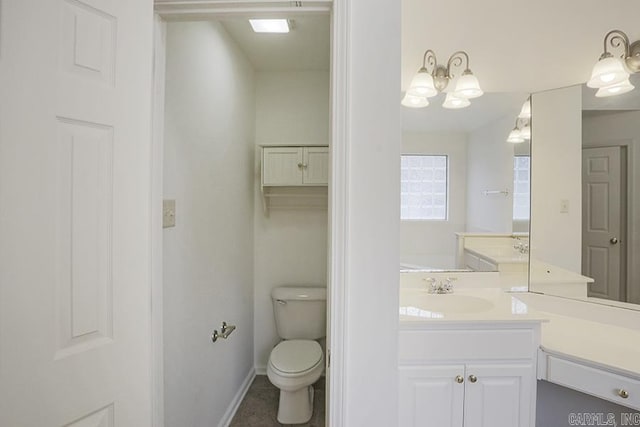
x=465, y=189
x=585, y=226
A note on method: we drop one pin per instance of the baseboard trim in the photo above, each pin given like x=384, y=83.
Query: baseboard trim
x=237, y=399
x=261, y=370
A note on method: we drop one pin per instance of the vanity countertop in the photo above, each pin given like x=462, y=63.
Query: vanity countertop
x=599, y=335
x=498, y=254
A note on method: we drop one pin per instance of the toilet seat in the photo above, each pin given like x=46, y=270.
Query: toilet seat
x=295, y=357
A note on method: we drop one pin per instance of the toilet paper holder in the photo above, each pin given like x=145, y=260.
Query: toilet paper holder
x=225, y=331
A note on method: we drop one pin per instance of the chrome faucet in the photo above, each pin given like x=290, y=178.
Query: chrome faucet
x=443, y=287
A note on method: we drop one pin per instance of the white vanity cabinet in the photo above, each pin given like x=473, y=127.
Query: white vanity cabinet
x=463, y=375
x=295, y=165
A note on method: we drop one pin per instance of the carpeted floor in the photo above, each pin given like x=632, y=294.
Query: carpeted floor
x=259, y=407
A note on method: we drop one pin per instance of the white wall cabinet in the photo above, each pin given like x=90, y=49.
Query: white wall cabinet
x=482, y=377
x=295, y=166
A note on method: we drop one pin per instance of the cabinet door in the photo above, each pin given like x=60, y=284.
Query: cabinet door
x=282, y=166
x=316, y=165
x=430, y=396
x=501, y=396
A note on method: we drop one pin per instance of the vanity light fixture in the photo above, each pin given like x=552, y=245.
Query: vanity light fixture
x=521, y=131
x=433, y=78
x=525, y=112
x=611, y=73
x=269, y=25
x=413, y=101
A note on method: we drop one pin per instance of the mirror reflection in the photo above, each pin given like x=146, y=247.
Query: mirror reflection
x=465, y=189
x=586, y=205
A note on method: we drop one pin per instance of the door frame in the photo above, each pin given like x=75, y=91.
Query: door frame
x=632, y=223
x=337, y=286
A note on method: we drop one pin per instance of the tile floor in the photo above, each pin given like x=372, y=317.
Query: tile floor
x=259, y=408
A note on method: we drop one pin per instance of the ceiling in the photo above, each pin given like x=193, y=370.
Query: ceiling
x=515, y=45
x=305, y=47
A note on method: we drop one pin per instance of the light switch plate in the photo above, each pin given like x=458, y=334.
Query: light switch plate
x=168, y=213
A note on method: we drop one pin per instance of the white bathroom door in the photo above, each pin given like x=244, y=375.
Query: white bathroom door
x=602, y=211
x=75, y=86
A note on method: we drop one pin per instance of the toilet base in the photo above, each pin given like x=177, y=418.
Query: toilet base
x=296, y=407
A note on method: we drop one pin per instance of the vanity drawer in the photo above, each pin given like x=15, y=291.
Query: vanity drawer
x=473, y=344
x=594, y=381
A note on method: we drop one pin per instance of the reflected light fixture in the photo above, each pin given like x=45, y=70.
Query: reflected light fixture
x=525, y=112
x=521, y=131
x=433, y=78
x=269, y=25
x=611, y=73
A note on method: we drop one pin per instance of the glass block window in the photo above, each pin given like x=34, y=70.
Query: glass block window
x=424, y=188
x=521, y=187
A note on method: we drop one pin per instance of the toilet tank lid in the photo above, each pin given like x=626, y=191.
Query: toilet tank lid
x=299, y=293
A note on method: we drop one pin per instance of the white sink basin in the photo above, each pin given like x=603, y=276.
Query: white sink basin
x=445, y=303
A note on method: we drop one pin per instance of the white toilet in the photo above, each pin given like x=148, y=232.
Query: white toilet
x=297, y=362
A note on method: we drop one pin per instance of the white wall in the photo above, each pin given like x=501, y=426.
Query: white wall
x=556, y=160
x=490, y=167
x=290, y=244
x=623, y=129
x=433, y=243
x=371, y=187
x=292, y=107
x=208, y=256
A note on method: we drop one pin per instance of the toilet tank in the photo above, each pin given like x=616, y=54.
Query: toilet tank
x=300, y=312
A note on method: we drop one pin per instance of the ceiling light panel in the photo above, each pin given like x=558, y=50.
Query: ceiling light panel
x=269, y=25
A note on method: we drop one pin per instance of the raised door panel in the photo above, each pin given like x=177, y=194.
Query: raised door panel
x=500, y=396
x=282, y=166
x=430, y=396
x=316, y=165
x=602, y=222
x=75, y=79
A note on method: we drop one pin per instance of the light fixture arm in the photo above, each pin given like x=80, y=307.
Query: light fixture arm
x=429, y=59
x=455, y=60
x=614, y=38
x=631, y=54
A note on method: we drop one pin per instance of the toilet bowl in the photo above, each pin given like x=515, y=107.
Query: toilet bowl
x=294, y=365
x=297, y=362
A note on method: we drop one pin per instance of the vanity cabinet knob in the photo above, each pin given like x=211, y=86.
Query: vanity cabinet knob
x=613, y=240
x=459, y=379
x=623, y=393
x=473, y=378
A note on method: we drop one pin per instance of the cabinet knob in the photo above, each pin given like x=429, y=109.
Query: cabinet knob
x=300, y=165
x=473, y=378
x=459, y=379
x=623, y=393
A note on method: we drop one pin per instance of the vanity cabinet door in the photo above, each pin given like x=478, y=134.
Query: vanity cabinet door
x=499, y=395
x=432, y=396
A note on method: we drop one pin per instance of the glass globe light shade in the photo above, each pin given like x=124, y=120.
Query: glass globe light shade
x=453, y=102
x=467, y=87
x=515, y=136
x=413, y=101
x=525, y=132
x=422, y=85
x=617, y=89
x=525, y=113
x=607, y=72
